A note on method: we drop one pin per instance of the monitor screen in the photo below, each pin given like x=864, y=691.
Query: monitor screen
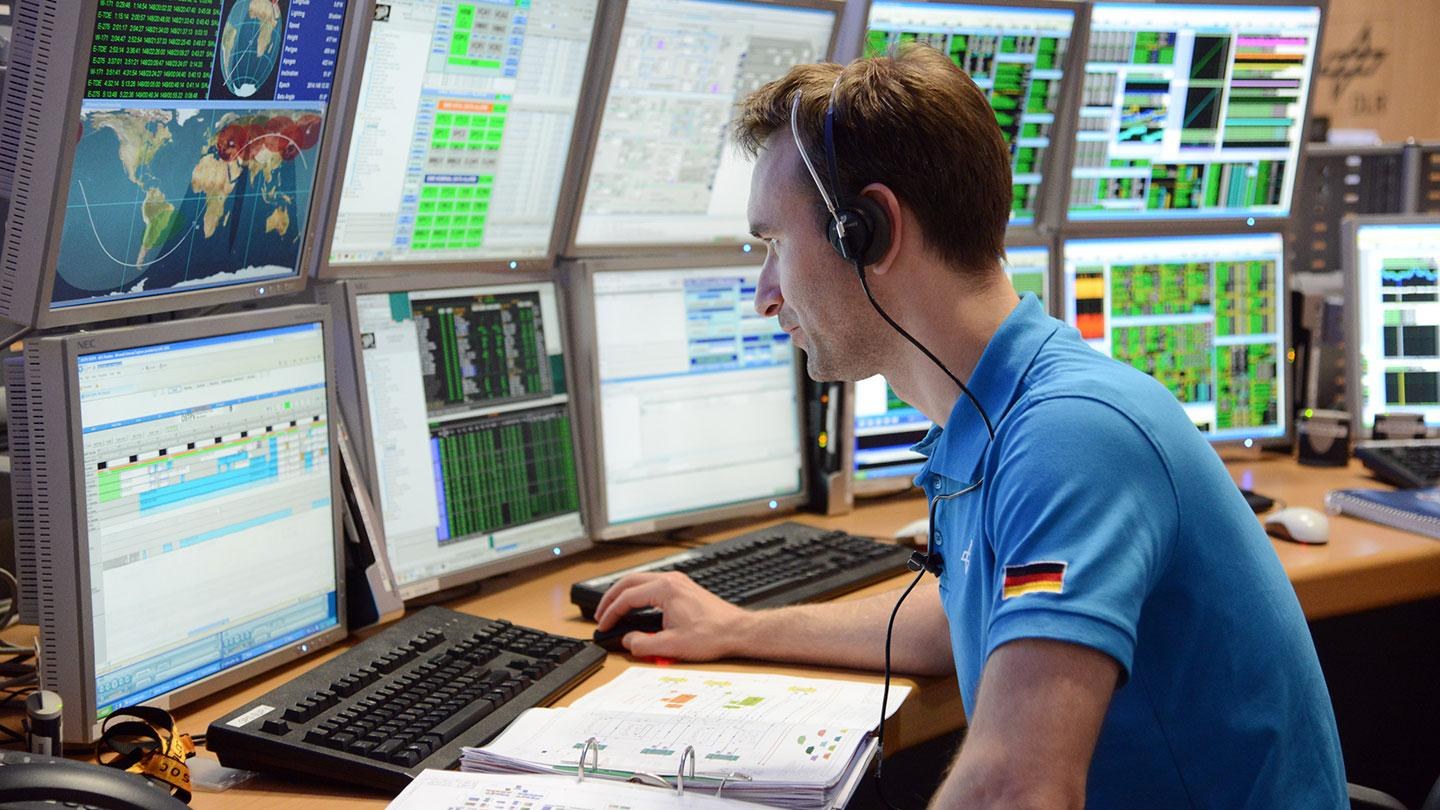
x=664, y=168
x=470, y=429
x=198, y=147
x=886, y=427
x=207, y=485
x=699, y=396
x=462, y=131
x=1396, y=304
x=1016, y=54
x=1204, y=315
x=1192, y=110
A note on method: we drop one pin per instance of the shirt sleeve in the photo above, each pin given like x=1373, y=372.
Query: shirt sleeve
x=1083, y=515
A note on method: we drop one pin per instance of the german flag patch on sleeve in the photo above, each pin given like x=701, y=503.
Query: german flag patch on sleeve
x=1036, y=577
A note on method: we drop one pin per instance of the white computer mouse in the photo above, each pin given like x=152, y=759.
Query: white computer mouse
x=1299, y=524
x=914, y=533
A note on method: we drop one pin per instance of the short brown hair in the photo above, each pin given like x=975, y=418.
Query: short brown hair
x=912, y=120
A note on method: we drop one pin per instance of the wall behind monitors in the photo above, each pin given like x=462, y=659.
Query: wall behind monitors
x=1204, y=315
x=696, y=414
x=463, y=127
x=1393, y=316
x=1017, y=54
x=1192, y=111
x=463, y=395
x=176, y=164
x=886, y=427
x=663, y=170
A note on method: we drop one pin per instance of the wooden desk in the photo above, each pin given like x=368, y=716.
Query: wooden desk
x=1364, y=566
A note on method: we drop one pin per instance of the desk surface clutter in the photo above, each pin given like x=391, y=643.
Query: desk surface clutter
x=1364, y=566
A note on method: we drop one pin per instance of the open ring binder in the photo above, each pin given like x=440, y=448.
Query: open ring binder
x=592, y=747
x=697, y=736
x=687, y=756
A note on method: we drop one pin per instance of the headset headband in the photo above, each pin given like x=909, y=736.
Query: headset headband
x=829, y=153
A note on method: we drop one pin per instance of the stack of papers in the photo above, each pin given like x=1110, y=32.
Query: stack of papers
x=445, y=790
x=775, y=740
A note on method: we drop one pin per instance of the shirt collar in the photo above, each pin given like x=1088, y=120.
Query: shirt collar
x=997, y=377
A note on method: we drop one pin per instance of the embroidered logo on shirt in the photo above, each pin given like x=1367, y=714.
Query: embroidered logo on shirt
x=1036, y=577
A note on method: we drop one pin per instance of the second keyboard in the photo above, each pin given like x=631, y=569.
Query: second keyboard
x=403, y=700
x=786, y=564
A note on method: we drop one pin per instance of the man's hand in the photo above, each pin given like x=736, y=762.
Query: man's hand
x=699, y=626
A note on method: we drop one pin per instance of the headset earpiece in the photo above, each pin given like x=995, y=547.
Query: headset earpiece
x=867, y=231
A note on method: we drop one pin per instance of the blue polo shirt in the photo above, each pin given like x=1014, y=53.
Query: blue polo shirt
x=1105, y=519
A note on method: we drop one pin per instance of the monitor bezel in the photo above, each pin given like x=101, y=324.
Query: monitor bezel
x=733, y=250
x=327, y=270
x=1151, y=225
x=61, y=154
x=894, y=484
x=1051, y=199
x=353, y=373
x=76, y=664
x=1350, y=227
x=580, y=276
x=1284, y=364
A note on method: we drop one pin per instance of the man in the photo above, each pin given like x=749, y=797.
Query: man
x=1121, y=629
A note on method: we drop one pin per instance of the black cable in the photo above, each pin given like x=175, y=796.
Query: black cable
x=864, y=282
x=890, y=633
x=885, y=693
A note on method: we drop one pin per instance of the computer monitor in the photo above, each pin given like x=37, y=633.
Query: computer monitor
x=1204, y=315
x=463, y=409
x=180, y=497
x=1017, y=53
x=464, y=120
x=663, y=170
x=1392, y=317
x=166, y=156
x=1193, y=110
x=886, y=427
x=695, y=413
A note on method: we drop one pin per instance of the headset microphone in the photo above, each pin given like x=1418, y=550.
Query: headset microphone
x=921, y=561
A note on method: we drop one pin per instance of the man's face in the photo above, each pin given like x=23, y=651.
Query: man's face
x=815, y=293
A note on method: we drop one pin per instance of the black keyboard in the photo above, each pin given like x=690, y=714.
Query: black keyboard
x=782, y=565
x=403, y=700
x=1403, y=462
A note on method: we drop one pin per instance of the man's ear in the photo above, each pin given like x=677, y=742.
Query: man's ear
x=882, y=196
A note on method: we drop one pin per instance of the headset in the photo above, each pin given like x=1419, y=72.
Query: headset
x=859, y=230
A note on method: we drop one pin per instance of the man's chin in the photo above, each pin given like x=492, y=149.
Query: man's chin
x=820, y=371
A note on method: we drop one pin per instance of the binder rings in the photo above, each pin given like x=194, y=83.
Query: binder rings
x=773, y=740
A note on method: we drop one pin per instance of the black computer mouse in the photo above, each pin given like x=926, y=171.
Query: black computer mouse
x=644, y=620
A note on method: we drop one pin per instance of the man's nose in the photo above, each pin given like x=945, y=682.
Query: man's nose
x=768, y=299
